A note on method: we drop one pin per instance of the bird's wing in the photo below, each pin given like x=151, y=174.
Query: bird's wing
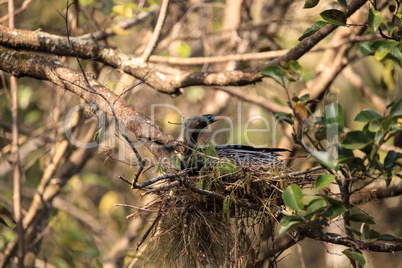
x=249, y=155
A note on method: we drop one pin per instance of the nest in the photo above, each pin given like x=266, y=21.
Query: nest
x=215, y=217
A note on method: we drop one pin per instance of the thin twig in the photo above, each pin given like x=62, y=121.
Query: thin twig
x=21, y=9
x=159, y=178
x=17, y=173
x=259, y=100
x=158, y=28
x=155, y=222
x=266, y=55
x=126, y=24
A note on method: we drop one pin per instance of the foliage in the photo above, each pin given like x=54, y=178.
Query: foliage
x=337, y=150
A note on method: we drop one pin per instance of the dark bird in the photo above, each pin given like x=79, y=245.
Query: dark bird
x=239, y=154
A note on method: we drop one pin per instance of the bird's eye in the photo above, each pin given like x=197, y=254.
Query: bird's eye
x=209, y=117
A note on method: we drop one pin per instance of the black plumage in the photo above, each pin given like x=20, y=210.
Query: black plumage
x=239, y=154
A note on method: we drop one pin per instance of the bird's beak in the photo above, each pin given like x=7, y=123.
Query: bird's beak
x=219, y=117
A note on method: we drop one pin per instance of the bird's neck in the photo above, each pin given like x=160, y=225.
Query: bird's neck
x=191, y=137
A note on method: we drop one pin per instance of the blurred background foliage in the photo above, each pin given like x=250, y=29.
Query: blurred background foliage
x=85, y=223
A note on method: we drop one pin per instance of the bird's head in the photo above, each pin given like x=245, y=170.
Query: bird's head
x=195, y=124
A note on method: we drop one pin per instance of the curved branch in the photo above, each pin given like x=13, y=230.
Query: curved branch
x=170, y=84
x=43, y=68
x=304, y=46
x=346, y=241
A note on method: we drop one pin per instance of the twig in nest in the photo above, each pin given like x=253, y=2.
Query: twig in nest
x=124, y=179
x=159, y=178
x=154, y=224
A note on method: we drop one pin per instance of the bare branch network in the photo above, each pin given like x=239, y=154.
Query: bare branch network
x=137, y=67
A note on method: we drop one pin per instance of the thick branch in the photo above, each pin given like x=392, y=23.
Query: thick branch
x=86, y=49
x=43, y=68
x=346, y=241
x=304, y=46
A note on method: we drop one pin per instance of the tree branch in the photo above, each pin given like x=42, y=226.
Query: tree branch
x=108, y=32
x=348, y=242
x=170, y=84
x=158, y=28
x=43, y=68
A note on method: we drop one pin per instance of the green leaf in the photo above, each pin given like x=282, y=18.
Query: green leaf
x=374, y=19
x=396, y=109
x=326, y=159
x=295, y=71
x=286, y=117
x=289, y=222
x=6, y=217
x=383, y=48
x=390, y=159
x=396, y=55
x=334, y=16
x=344, y=153
x=375, y=124
x=310, y=3
x=278, y=74
x=353, y=163
x=391, y=28
x=316, y=205
x=305, y=98
x=354, y=257
x=355, y=140
x=360, y=217
x=312, y=29
x=324, y=180
x=336, y=208
x=366, y=49
x=377, y=139
x=343, y=4
x=388, y=237
x=387, y=124
x=366, y=115
x=369, y=233
x=293, y=197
